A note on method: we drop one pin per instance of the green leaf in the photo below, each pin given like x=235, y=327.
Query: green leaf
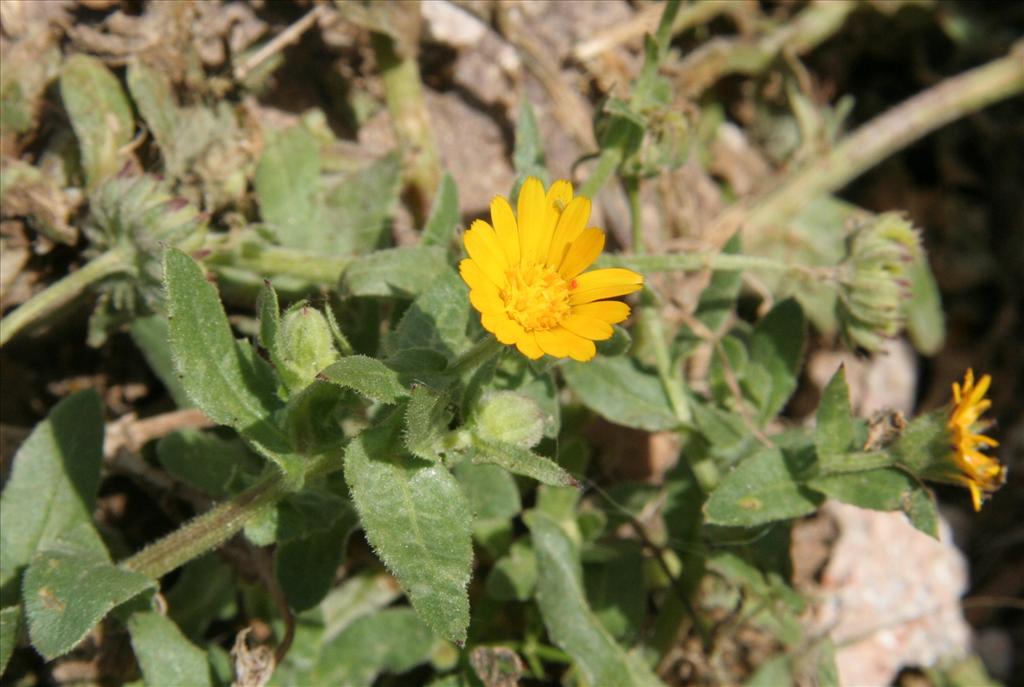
x=367, y=376
x=436, y=320
x=402, y=272
x=417, y=520
x=763, y=487
x=306, y=567
x=490, y=490
x=570, y=622
x=152, y=337
x=393, y=641
x=68, y=590
x=619, y=390
x=926, y=322
x=165, y=655
x=358, y=206
x=10, y=628
x=53, y=483
x=287, y=184
x=615, y=590
x=881, y=489
x=514, y=576
x=426, y=423
x=776, y=348
x=214, y=465
x=225, y=378
x=521, y=461
x=777, y=670
x=100, y=115
x=362, y=594
x=204, y=592
x=528, y=155
x=268, y=311
x=153, y=95
x=444, y=215
x=922, y=511
x=834, y=433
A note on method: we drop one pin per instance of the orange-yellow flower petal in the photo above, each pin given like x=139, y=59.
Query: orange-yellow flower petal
x=570, y=225
x=601, y=284
x=582, y=253
x=530, y=217
x=527, y=280
x=981, y=474
x=505, y=228
x=611, y=312
x=528, y=346
x=589, y=327
x=483, y=247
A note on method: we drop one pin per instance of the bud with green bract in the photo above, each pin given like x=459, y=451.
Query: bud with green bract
x=510, y=418
x=874, y=280
x=304, y=346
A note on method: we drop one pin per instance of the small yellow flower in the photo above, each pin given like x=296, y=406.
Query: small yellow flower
x=980, y=473
x=526, y=274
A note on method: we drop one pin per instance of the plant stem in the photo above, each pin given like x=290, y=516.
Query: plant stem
x=651, y=318
x=607, y=163
x=206, y=531
x=723, y=56
x=876, y=140
x=482, y=351
x=721, y=262
x=313, y=267
x=410, y=119
x=61, y=293
x=856, y=462
x=214, y=527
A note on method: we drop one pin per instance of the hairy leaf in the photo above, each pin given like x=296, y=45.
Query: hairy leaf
x=165, y=655
x=68, y=590
x=52, y=487
x=444, y=215
x=417, y=520
x=762, y=488
x=100, y=115
x=569, y=620
x=621, y=392
x=368, y=376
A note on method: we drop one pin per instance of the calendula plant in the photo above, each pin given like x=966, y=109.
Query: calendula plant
x=390, y=457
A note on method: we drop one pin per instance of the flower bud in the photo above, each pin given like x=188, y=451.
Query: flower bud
x=874, y=280
x=509, y=417
x=304, y=346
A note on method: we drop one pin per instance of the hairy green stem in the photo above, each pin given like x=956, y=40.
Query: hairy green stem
x=207, y=531
x=721, y=262
x=482, y=351
x=856, y=462
x=315, y=268
x=651, y=319
x=62, y=292
x=211, y=529
x=410, y=120
x=607, y=163
x=742, y=55
x=876, y=140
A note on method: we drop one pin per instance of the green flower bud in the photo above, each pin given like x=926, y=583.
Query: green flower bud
x=874, y=280
x=509, y=417
x=304, y=346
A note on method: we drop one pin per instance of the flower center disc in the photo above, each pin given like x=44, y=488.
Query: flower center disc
x=536, y=297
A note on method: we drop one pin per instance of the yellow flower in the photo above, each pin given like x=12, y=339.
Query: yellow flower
x=980, y=473
x=526, y=274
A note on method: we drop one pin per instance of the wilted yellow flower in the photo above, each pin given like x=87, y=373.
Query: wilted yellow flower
x=526, y=274
x=980, y=473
